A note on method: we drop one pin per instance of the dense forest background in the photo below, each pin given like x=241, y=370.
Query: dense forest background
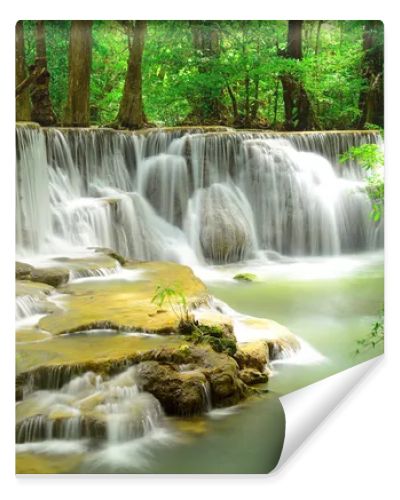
x=283, y=75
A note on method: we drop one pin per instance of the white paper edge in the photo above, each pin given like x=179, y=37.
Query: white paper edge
x=306, y=408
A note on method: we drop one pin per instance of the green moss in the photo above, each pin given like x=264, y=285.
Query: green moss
x=212, y=335
x=245, y=277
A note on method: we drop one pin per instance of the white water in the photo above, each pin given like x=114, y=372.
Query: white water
x=193, y=198
x=90, y=407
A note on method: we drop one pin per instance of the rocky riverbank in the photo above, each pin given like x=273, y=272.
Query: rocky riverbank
x=86, y=324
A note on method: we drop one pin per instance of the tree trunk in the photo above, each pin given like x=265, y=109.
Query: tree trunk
x=206, y=106
x=234, y=105
x=256, y=102
x=371, y=97
x=276, y=95
x=298, y=112
x=23, y=104
x=77, y=113
x=42, y=110
x=318, y=37
x=131, y=114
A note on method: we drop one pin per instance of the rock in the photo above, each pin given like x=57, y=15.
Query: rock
x=226, y=387
x=220, y=370
x=245, y=277
x=225, y=222
x=281, y=341
x=125, y=305
x=110, y=253
x=53, y=276
x=29, y=288
x=92, y=265
x=23, y=271
x=252, y=376
x=208, y=317
x=180, y=393
x=253, y=355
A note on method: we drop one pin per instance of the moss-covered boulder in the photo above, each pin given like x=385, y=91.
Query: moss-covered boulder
x=251, y=376
x=220, y=370
x=179, y=392
x=245, y=277
x=53, y=276
x=253, y=355
x=23, y=270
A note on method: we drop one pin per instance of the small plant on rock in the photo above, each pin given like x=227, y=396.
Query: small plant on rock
x=188, y=325
x=176, y=300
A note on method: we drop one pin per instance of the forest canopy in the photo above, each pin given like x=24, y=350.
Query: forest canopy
x=283, y=75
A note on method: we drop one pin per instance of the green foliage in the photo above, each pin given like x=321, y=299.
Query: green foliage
x=370, y=158
x=243, y=74
x=175, y=299
x=199, y=334
x=374, y=337
x=376, y=191
x=215, y=337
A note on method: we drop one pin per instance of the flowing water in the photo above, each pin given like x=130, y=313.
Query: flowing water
x=191, y=197
x=276, y=205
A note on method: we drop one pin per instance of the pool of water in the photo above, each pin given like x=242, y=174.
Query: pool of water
x=329, y=303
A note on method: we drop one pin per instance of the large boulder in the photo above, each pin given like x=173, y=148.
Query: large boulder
x=253, y=355
x=53, y=276
x=226, y=387
x=220, y=370
x=225, y=224
x=179, y=392
x=251, y=376
x=23, y=271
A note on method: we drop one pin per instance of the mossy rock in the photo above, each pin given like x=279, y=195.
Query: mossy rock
x=245, y=277
x=251, y=376
x=253, y=355
x=23, y=270
x=218, y=337
x=125, y=305
x=53, y=276
x=179, y=392
x=110, y=253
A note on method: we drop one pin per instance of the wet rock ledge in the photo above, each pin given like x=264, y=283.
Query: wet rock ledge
x=188, y=372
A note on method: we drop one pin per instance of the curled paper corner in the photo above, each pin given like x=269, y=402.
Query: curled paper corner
x=306, y=408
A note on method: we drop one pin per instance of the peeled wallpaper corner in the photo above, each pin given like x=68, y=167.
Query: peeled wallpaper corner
x=306, y=408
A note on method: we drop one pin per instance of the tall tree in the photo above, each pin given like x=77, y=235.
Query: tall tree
x=42, y=109
x=77, y=112
x=131, y=113
x=206, y=102
x=371, y=97
x=298, y=112
x=23, y=105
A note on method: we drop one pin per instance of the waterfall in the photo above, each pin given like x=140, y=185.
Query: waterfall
x=91, y=407
x=191, y=195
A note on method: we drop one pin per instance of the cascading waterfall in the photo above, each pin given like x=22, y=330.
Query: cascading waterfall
x=191, y=195
x=92, y=407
